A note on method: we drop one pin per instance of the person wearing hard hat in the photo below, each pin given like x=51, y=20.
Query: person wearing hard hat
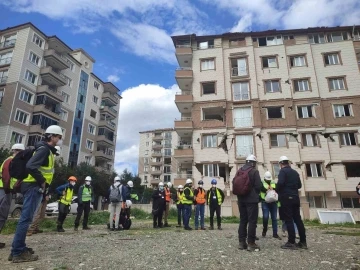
x=269, y=208
x=248, y=206
x=158, y=206
x=200, y=200
x=6, y=186
x=65, y=192
x=34, y=188
x=168, y=186
x=179, y=204
x=85, y=199
x=127, y=198
x=115, y=204
x=188, y=201
x=288, y=186
x=215, y=198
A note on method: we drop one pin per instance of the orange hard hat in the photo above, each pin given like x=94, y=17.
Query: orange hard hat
x=72, y=178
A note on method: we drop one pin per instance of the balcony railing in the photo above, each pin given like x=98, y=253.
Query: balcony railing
x=3, y=79
x=7, y=43
x=239, y=97
x=184, y=119
x=243, y=122
x=235, y=72
x=184, y=146
x=183, y=68
x=244, y=151
x=183, y=175
x=184, y=93
x=5, y=61
x=183, y=46
x=112, y=109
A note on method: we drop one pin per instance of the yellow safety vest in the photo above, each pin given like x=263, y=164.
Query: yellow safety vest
x=67, y=198
x=266, y=185
x=86, y=194
x=218, y=195
x=46, y=171
x=186, y=201
x=12, y=180
x=180, y=197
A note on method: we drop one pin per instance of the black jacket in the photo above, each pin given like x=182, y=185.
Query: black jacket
x=255, y=180
x=288, y=183
x=159, y=201
x=40, y=158
x=212, y=192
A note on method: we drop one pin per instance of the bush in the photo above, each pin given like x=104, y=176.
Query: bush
x=140, y=214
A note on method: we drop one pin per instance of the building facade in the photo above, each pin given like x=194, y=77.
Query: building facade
x=44, y=82
x=290, y=92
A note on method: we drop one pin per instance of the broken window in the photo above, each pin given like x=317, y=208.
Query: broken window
x=183, y=43
x=352, y=169
x=270, y=41
x=272, y=86
x=278, y=140
x=275, y=112
x=208, y=88
x=347, y=139
x=235, y=42
x=305, y=111
x=206, y=44
x=269, y=62
x=342, y=110
x=214, y=113
x=314, y=170
x=309, y=140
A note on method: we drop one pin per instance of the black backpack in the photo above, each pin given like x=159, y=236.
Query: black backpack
x=17, y=166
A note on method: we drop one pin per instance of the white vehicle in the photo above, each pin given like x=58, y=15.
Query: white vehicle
x=53, y=208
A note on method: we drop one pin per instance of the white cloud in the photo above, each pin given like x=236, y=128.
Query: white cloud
x=96, y=42
x=113, y=78
x=142, y=108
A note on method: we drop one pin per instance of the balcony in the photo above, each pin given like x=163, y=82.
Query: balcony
x=184, y=126
x=7, y=44
x=55, y=60
x=52, y=77
x=108, y=124
x=5, y=61
x=102, y=155
x=36, y=129
x=44, y=108
x=109, y=111
x=155, y=181
x=180, y=179
x=244, y=122
x=3, y=79
x=158, y=138
x=184, y=55
x=156, y=163
x=50, y=91
x=157, y=172
x=157, y=146
x=184, y=153
x=184, y=77
x=103, y=140
x=110, y=99
x=156, y=154
x=184, y=101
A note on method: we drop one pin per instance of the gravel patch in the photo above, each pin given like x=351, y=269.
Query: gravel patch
x=145, y=248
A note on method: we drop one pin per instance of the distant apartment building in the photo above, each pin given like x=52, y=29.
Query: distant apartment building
x=278, y=92
x=44, y=82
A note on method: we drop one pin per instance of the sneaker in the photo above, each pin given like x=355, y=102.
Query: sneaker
x=86, y=228
x=301, y=245
x=60, y=230
x=29, y=249
x=253, y=247
x=203, y=229
x=188, y=228
x=211, y=228
x=219, y=228
x=26, y=256
x=243, y=245
x=288, y=245
x=2, y=245
x=276, y=236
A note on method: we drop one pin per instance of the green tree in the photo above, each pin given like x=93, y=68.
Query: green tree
x=4, y=154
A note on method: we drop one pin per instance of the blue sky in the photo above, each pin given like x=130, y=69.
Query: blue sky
x=130, y=40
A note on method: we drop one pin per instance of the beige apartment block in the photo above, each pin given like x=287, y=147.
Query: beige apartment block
x=273, y=93
x=44, y=82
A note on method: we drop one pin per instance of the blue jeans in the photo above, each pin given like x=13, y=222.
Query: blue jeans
x=269, y=208
x=186, y=215
x=32, y=199
x=199, y=210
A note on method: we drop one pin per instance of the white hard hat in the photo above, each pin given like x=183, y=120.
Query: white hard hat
x=88, y=178
x=189, y=181
x=169, y=184
x=18, y=146
x=268, y=175
x=283, y=158
x=117, y=178
x=54, y=129
x=180, y=186
x=128, y=203
x=251, y=158
x=130, y=183
x=161, y=184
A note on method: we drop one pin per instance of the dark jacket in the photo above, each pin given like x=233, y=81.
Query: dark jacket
x=40, y=158
x=187, y=193
x=211, y=192
x=80, y=192
x=59, y=190
x=288, y=183
x=125, y=193
x=255, y=180
x=159, y=201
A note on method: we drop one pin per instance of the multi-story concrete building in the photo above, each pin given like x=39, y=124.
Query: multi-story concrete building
x=44, y=82
x=273, y=93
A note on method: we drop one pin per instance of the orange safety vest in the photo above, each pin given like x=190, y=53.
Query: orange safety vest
x=200, y=197
x=167, y=195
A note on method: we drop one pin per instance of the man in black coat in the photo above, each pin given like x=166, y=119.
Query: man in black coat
x=159, y=204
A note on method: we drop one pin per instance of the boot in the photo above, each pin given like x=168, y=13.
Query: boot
x=26, y=256
x=301, y=245
x=243, y=245
x=253, y=247
x=219, y=228
x=288, y=245
x=86, y=228
x=276, y=236
x=60, y=228
x=263, y=233
x=211, y=227
x=29, y=249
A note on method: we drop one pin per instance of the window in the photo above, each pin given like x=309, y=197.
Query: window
x=88, y=159
x=206, y=44
x=339, y=36
x=244, y=146
x=209, y=141
x=213, y=113
x=81, y=99
x=240, y=91
x=64, y=114
x=147, y=143
x=242, y=117
x=269, y=62
x=16, y=138
x=79, y=114
x=343, y=110
x=305, y=111
x=71, y=64
x=26, y=96
x=208, y=88
x=5, y=58
x=316, y=38
x=167, y=152
x=352, y=169
x=278, y=140
x=167, y=178
x=38, y=40
x=350, y=202
x=22, y=117
x=347, y=139
x=145, y=179
x=207, y=64
x=1, y=95
x=272, y=86
x=211, y=170
x=89, y=145
x=314, y=170
x=33, y=58
x=146, y=161
x=3, y=76
x=167, y=143
x=66, y=97
x=93, y=114
x=309, y=139
x=146, y=152
x=301, y=85
x=337, y=83
x=239, y=67
x=316, y=201
x=297, y=61
x=95, y=99
x=167, y=169
x=168, y=135
x=30, y=77
x=96, y=85
x=288, y=37
x=8, y=41
x=331, y=59
x=270, y=41
x=68, y=80
x=275, y=112
x=276, y=169
x=92, y=129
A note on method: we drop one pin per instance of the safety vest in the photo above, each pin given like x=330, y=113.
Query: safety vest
x=180, y=198
x=200, y=197
x=218, y=195
x=86, y=194
x=46, y=171
x=12, y=180
x=67, y=198
x=266, y=186
x=167, y=194
x=186, y=201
